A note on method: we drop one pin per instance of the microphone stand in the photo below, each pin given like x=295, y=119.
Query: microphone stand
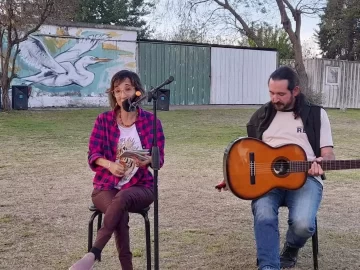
x=155, y=157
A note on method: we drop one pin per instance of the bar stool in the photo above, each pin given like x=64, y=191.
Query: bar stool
x=97, y=213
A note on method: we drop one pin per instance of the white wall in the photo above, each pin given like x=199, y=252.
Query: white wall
x=239, y=76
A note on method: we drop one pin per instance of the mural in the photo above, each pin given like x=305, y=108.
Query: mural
x=66, y=68
x=73, y=62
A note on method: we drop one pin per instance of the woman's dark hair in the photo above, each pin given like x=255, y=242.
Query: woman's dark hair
x=120, y=77
x=287, y=73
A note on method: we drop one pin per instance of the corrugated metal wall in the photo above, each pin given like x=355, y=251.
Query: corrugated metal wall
x=239, y=76
x=346, y=93
x=342, y=90
x=190, y=66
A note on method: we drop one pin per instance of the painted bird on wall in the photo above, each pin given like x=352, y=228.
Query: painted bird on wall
x=66, y=68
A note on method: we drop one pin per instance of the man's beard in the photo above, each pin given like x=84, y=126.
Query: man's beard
x=279, y=106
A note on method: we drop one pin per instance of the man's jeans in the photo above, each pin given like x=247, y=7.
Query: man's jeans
x=303, y=205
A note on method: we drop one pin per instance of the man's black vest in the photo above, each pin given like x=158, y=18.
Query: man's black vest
x=310, y=115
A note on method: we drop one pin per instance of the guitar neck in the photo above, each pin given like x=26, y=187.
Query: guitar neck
x=326, y=165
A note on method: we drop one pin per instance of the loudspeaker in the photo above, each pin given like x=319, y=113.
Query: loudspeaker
x=163, y=100
x=20, y=97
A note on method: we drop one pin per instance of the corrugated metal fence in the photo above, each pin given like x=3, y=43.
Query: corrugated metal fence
x=240, y=76
x=190, y=66
x=337, y=80
x=207, y=74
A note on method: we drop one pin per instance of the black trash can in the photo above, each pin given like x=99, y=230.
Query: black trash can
x=20, y=97
x=163, y=100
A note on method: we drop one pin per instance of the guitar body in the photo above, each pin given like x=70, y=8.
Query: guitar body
x=253, y=168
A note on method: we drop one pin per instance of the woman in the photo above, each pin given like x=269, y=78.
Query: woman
x=121, y=184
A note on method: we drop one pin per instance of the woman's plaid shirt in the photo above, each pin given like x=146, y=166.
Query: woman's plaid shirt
x=103, y=144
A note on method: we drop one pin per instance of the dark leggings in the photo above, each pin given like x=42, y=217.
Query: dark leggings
x=116, y=204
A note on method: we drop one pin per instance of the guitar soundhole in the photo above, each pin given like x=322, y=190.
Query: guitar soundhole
x=281, y=167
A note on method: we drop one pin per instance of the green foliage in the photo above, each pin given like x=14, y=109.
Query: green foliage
x=339, y=34
x=116, y=12
x=273, y=37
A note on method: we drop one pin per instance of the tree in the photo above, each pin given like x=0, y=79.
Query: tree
x=339, y=33
x=273, y=37
x=236, y=13
x=116, y=12
x=186, y=31
x=18, y=20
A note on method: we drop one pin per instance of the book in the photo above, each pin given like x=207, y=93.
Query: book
x=142, y=154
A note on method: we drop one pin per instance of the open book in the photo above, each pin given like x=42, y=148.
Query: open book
x=142, y=154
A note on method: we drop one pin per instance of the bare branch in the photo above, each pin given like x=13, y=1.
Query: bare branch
x=192, y=5
x=307, y=9
x=212, y=13
x=249, y=32
x=285, y=21
x=292, y=9
x=298, y=4
x=46, y=12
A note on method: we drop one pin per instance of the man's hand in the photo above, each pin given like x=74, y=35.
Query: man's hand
x=221, y=186
x=316, y=169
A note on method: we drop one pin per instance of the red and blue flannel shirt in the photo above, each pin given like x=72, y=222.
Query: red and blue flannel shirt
x=103, y=144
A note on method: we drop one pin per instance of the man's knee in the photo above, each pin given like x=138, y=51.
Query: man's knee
x=303, y=228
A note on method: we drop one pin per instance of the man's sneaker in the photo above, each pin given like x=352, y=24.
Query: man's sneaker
x=288, y=257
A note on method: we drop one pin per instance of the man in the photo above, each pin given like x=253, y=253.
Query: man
x=289, y=118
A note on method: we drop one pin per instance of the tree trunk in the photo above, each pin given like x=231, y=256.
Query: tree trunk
x=5, y=84
x=5, y=100
x=300, y=68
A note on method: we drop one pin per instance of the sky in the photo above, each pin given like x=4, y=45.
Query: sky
x=164, y=21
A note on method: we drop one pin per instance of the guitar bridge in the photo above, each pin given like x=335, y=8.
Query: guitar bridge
x=252, y=168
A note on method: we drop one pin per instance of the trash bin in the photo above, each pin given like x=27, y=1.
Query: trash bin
x=20, y=97
x=163, y=100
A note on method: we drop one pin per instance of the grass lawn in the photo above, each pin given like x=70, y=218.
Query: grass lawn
x=46, y=185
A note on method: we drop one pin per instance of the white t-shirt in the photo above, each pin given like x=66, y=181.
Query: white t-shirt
x=284, y=129
x=129, y=140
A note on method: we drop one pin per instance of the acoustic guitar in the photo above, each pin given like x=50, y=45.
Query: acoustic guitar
x=252, y=168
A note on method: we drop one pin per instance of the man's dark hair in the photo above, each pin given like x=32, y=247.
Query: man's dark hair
x=287, y=73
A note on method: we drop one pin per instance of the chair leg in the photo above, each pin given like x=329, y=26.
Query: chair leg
x=90, y=230
x=148, y=244
x=99, y=221
x=315, y=247
x=98, y=228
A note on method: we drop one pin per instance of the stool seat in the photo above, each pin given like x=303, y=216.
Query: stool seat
x=141, y=212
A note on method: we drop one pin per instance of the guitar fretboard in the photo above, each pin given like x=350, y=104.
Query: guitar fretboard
x=326, y=165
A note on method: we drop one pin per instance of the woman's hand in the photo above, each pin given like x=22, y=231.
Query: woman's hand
x=117, y=169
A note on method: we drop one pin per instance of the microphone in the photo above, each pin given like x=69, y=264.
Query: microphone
x=153, y=91
x=129, y=104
